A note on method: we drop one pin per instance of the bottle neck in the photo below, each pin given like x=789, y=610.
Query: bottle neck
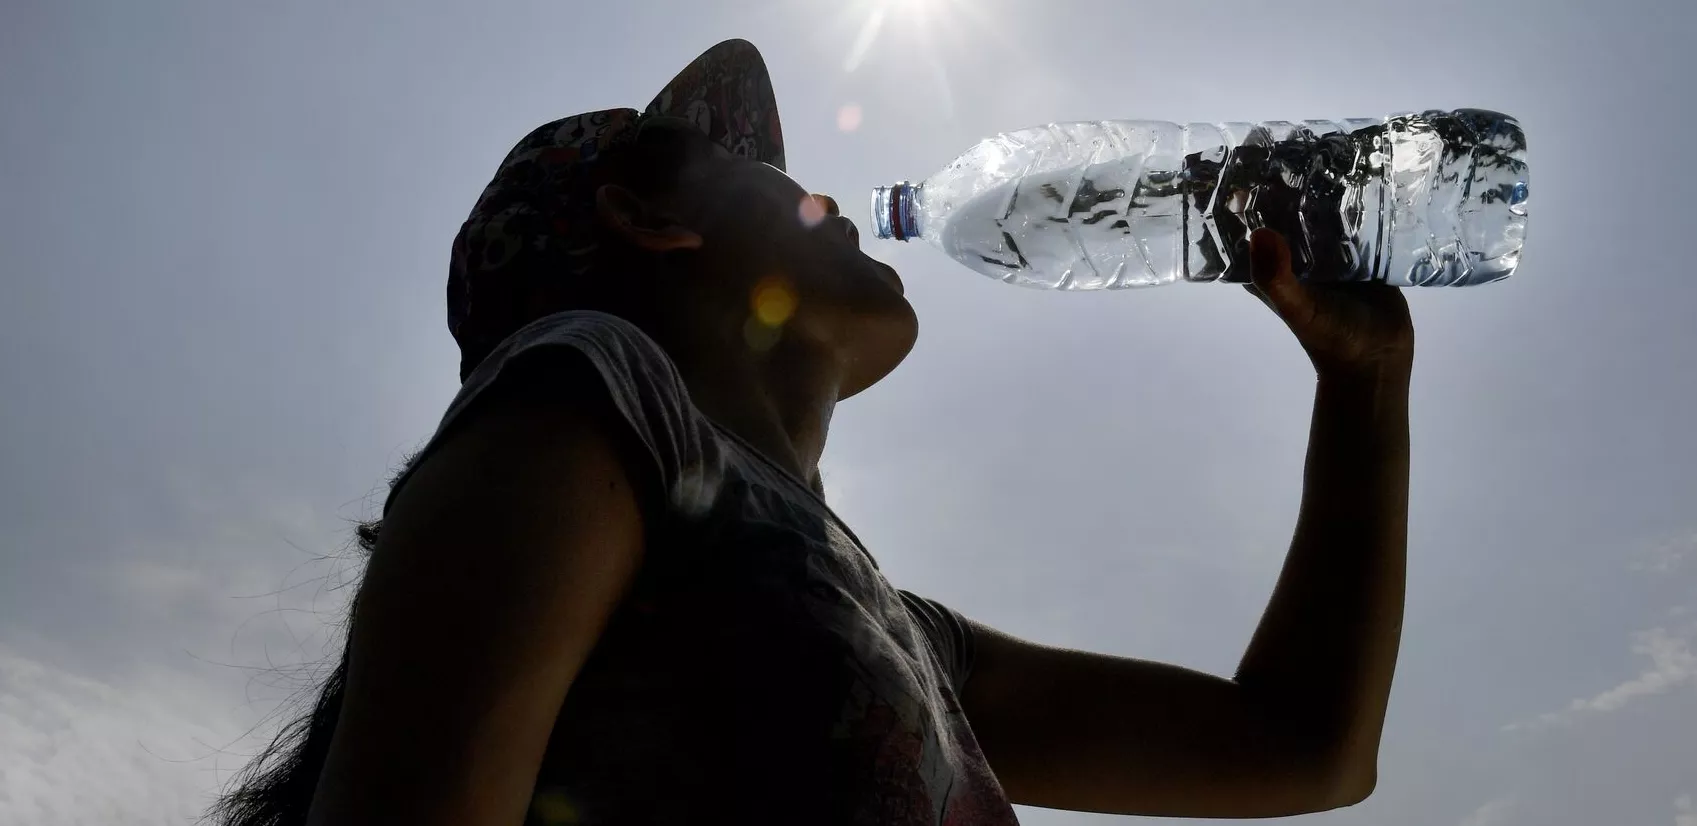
x=895, y=211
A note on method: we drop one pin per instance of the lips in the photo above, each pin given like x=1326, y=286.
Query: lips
x=849, y=230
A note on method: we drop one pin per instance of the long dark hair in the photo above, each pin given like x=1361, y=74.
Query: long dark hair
x=276, y=787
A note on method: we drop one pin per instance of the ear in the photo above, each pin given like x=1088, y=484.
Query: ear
x=635, y=220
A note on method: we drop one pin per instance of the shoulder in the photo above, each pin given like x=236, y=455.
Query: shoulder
x=606, y=368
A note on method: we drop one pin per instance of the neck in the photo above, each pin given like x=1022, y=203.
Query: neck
x=779, y=400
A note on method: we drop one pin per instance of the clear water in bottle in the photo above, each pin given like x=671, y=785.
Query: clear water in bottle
x=1434, y=199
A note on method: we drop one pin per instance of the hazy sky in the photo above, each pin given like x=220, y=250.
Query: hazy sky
x=224, y=231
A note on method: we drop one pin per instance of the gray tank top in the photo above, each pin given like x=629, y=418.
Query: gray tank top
x=762, y=670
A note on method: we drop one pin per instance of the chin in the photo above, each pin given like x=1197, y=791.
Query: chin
x=878, y=341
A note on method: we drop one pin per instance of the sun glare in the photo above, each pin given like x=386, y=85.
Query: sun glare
x=914, y=14
x=929, y=23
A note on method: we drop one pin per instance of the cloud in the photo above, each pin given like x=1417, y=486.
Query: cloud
x=1684, y=813
x=1672, y=664
x=1493, y=813
x=1668, y=555
x=248, y=575
x=203, y=629
x=77, y=750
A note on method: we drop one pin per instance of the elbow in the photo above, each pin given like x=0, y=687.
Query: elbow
x=1338, y=765
x=1321, y=793
x=1353, y=789
x=1299, y=793
x=1332, y=777
x=1347, y=785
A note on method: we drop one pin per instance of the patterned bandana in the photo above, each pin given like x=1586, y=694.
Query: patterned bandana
x=535, y=222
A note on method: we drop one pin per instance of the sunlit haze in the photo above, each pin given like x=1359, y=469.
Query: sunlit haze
x=226, y=230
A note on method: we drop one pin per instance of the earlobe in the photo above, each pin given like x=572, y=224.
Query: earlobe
x=625, y=213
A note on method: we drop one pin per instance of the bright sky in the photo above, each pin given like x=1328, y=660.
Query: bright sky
x=225, y=231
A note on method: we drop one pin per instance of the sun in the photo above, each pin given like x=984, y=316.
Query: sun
x=919, y=9
x=933, y=26
x=913, y=15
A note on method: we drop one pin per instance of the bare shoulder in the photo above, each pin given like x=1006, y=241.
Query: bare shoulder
x=500, y=563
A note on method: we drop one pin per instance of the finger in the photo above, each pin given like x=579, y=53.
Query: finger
x=1270, y=272
x=1250, y=288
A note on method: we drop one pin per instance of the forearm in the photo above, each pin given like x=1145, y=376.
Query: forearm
x=1323, y=656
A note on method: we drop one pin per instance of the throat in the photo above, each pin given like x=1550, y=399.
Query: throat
x=784, y=417
x=777, y=400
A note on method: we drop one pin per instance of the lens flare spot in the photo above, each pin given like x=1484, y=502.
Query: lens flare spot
x=760, y=337
x=811, y=211
x=848, y=117
x=773, y=301
x=554, y=808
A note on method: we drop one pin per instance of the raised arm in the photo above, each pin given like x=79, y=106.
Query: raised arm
x=1298, y=728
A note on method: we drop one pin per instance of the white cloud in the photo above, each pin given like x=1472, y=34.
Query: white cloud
x=150, y=738
x=1672, y=665
x=145, y=749
x=1684, y=813
x=1493, y=813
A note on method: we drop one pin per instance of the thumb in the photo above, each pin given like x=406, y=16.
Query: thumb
x=1270, y=270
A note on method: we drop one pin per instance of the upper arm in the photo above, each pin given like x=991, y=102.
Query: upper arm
x=1092, y=732
x=499, y=565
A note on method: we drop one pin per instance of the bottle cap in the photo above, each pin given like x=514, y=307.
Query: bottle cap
x=894, y=211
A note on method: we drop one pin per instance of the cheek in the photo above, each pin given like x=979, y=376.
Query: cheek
x=741, y=215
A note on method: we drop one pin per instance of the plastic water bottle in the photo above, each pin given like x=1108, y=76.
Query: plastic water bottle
x=1437, y=198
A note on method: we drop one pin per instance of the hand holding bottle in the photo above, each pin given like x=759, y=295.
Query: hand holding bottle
x=1350, y=331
